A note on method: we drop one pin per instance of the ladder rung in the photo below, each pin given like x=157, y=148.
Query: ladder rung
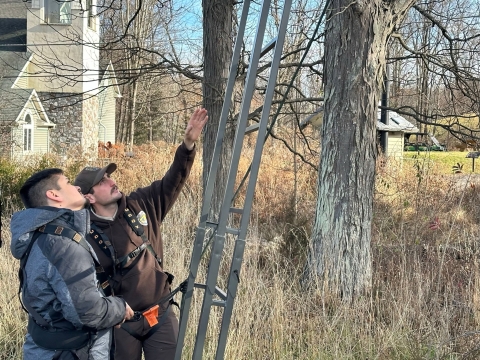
x=219, y=303
x=221, y=294
x=236, y=210
x=268, y=47
x=252, y=128
x=232, y=231
x=200, y=286
x=211, y=224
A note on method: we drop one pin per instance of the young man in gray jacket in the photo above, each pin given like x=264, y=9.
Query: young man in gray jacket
x=69, y=316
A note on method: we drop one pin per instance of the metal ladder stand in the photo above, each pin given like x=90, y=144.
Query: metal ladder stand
x=221, y=229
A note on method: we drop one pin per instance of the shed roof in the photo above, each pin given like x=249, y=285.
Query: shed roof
x=396, y=122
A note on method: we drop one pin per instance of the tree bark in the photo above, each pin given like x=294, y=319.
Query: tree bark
x=217, y=53
x=132, y=113
x=355, y=49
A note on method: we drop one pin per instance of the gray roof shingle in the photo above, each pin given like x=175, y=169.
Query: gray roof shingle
x=396, y=122
x=12, y=101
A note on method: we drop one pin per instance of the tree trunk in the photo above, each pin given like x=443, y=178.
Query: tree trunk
x=355, y=47
x=133, y=112
x=217, y=54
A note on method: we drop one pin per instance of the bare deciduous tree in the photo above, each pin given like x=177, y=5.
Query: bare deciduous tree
x=355, y=53
x=217, y=54
x=434, y=78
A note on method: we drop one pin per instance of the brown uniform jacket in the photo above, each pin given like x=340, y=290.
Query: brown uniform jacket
x=142, y=282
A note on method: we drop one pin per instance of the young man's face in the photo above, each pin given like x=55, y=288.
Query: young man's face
x=105, y=192
x=72, y=197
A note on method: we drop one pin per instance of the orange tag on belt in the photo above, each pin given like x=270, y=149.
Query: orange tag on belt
x=151, y=315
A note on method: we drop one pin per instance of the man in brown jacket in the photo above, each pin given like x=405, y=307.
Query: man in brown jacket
x=126, y=238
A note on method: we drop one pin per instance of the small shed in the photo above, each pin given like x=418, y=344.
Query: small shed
x=397, y=127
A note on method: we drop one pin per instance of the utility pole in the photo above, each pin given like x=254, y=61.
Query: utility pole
x=384, y=112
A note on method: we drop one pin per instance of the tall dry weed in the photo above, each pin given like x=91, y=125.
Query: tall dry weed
x=425, y=298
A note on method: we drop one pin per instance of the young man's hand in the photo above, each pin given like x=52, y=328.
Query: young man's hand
x=128, y=312
x=128, y=315
x=194, y=127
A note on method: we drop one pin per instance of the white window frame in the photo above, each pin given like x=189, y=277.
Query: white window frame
x=27, y=133
x=60, y=12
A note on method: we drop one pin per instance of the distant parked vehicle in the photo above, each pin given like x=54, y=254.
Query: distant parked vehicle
x=423, y=146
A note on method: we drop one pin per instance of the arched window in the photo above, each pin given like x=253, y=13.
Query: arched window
x=27, y=133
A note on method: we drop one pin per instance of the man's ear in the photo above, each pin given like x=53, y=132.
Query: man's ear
x=90, y=198
x=53, y=195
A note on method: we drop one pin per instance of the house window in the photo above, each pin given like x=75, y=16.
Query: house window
x=58, y=11
x=27, y=133
x=90, y=15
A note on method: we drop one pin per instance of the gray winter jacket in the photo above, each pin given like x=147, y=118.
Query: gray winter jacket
x=60, y=281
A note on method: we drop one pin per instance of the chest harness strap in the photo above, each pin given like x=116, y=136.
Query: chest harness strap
x=103, y=243
x=106, y=246
x=79, y=239
x=139, y=231
x=101, y=239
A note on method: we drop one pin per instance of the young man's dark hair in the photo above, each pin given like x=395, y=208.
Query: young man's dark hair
x=33, y=191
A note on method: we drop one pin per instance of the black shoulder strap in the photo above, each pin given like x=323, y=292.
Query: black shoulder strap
x=138, y=229
x=22, y=275
x=101, y=239
x=134, y=224
x=67, y=232
x=53, y=230
x=102, y=276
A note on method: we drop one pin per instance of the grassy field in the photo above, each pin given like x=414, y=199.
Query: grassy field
x=425, y=297
x=443, y=161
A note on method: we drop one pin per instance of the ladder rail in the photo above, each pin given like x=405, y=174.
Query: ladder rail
x=237, y=258
x=220, y=230
x=219, y=242
x=208, y=193
x=201, y=229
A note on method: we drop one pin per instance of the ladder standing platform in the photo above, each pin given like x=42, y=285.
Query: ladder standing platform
x=220, y=230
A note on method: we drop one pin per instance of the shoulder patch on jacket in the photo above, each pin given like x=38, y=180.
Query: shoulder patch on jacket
x=142, y=218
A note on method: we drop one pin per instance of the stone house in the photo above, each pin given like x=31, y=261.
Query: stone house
x=54, y=96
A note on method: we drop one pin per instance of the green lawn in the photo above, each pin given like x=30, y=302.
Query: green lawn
x=442, y=161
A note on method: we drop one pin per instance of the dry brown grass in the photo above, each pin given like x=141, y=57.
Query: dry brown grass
x=425, y=300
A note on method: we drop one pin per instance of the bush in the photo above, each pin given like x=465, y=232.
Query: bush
x=12, y=176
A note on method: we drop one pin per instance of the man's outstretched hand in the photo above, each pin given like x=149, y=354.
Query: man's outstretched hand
x=194, y=127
